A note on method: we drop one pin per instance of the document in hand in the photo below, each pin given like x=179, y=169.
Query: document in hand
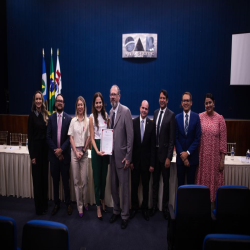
x=107, y=141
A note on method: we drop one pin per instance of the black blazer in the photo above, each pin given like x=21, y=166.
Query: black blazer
x=52, y=137
x=167, y=135
x=144, y=152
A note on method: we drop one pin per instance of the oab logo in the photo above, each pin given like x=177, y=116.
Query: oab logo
x=139, y=45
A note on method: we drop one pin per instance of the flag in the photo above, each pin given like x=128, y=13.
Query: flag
x=52, y=86
x=58, y=85
x=44, y=82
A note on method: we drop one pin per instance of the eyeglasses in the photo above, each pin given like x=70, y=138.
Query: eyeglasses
x=113, y=94
x=59, y=101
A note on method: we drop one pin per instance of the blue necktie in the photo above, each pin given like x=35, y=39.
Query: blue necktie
x=186, y=124
x=142, y=130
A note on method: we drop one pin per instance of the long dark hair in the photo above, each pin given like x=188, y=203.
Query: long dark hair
x=95, y=113
x=43, y=107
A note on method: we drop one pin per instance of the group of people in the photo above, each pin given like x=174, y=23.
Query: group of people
x=143, y=145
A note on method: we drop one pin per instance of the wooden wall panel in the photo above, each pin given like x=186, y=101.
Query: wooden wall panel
x=237, y=130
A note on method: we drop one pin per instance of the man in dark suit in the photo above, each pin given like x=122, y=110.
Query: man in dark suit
x=143, y=159
x=164, y=120
x=123, y=135
x=59, y=152
x=188, y=134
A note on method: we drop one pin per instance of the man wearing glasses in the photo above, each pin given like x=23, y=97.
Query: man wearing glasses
x=188, y=134
x=123, y=135
x=59, y=152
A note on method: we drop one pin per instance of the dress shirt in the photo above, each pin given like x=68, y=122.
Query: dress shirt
x=115, y=110
x=144, y=123
x=184, y=117
x=60, y=117
x=164, y=110
x=79, y=130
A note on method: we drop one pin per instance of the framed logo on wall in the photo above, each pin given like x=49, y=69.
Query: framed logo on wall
x=139, y=45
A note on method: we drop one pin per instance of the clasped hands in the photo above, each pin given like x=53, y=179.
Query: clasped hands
x=184, y=157
x=58, y=154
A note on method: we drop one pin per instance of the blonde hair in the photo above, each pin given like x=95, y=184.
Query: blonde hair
x=43, y=107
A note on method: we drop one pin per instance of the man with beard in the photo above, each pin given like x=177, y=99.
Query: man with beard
x=164, y=120
x=122, y=125
x=59, y=152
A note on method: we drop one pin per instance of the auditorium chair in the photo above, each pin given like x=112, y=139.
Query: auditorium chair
x=41, y=234
x=15, y=138
x=232, y=210
x=226, y=241
x=191, y=220
x=3, y=137
x=8, y=238
x=24, y=138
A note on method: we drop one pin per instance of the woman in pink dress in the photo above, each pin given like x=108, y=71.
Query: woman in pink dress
x=213, y=147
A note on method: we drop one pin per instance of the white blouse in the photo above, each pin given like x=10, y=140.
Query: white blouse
x=102, y=125
x=79, y=131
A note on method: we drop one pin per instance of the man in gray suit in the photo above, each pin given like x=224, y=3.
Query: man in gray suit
x=123, y=135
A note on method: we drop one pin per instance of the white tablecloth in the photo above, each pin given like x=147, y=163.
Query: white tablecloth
x=16, y=178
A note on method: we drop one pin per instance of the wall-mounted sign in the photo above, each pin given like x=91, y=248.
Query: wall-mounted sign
x=139, y=45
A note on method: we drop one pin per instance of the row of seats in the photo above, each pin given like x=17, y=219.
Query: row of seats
x=192, y=219
x=15, y=138
x=37, y=234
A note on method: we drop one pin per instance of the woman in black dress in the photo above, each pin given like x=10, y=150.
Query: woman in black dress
x=38, y=150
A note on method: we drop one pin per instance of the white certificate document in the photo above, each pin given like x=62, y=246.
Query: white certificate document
x=107, y=141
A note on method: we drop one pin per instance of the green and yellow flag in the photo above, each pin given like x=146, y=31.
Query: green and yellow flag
x=51, y=87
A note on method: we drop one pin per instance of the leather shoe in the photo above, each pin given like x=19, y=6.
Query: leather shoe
x=113, y=218
x=132, y=213
x=153, y=211
x=55, y=209
x=145, y=215
x=124, y=224
x=69, y=210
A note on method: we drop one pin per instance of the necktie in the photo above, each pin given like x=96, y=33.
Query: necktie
x=158, y=129
x=113, y=120
x=59, y=126
x=142, y=130
x=186, y=124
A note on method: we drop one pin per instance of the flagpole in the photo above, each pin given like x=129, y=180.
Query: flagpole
x=57, y=52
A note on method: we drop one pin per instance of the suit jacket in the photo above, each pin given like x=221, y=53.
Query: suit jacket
x=166, y=135
x=52, y=137
x=144, y=152
x=123, y=135
x=189, y=142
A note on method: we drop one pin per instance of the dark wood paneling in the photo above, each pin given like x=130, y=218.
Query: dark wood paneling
x=237, y=130
x=14, y=124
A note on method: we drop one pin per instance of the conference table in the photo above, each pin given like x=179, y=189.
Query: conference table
x=16, y=177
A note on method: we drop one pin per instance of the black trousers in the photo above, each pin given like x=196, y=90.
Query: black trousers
x=57, y=168
x=182, y=171
x=160, y=169
x=40, y=178
x=136, y=173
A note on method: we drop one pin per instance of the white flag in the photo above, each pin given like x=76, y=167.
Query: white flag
x=58, y=85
